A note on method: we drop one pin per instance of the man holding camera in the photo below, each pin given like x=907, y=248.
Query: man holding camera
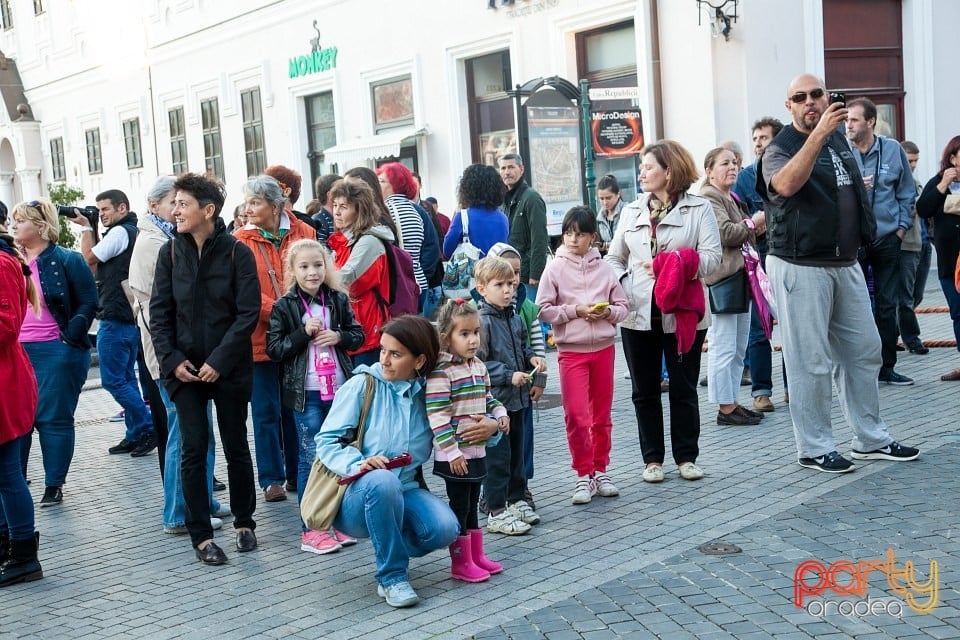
x=118, y=340
x=818, y=215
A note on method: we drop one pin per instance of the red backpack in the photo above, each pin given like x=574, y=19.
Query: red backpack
x=404, y=291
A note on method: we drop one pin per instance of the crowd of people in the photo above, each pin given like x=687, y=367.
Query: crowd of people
x=296, y=315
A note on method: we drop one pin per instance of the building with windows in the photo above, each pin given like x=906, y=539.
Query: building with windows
x=110, y=93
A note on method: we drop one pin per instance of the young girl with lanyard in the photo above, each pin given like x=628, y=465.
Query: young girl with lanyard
x=458, y=390
x=311, y=329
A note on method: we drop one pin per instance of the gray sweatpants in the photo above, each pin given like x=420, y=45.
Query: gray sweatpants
x=828, y=333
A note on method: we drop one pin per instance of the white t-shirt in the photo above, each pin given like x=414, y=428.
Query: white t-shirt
x=114, y=242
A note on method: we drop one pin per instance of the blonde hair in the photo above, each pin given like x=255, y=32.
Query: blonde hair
x=331, y=275
x=492, y=268
x=33, y=296
x=41, y=213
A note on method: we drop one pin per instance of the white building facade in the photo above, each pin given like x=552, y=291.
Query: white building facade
x=113, y=93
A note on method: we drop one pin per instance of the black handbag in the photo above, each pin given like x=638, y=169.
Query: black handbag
x=730, y=295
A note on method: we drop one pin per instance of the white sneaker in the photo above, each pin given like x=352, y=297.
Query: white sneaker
x=605, y=486
x=507, y=523
x=398, y=595
x=585, y=489
x=653, y=474
x=524, y=512
x=690, y=471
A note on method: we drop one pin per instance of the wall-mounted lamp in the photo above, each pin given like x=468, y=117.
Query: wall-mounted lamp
x=721, y=17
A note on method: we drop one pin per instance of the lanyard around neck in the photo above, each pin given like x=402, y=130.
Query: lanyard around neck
x=306, y=307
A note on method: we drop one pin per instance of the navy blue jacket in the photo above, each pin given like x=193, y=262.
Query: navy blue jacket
x=70, y=293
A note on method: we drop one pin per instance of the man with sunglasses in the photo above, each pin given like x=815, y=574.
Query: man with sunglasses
x=818, y=216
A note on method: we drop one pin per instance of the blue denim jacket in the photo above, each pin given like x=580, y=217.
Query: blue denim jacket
x=70, y=292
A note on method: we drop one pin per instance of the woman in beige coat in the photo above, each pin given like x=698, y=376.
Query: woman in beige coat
x=729, y=333
x=665, y=218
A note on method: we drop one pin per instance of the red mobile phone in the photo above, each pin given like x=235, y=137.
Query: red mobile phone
x=401, y=460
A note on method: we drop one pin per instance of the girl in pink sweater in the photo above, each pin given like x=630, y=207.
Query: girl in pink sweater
x=580, y=296
x=458, y=390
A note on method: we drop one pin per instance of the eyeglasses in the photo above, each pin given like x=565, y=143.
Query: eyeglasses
x=801, y=96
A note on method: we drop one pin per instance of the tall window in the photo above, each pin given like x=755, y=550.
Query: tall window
x=38, y=7
x=253, y=132
x=178, y=140
x=94, y=157
x=131, y=142
x=6, y=14
x=212, y=147
x=492, y=131
x=321, y=130
x=58, y=165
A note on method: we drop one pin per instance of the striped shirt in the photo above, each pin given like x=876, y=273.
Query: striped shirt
x=456, y=389
x=410, y=224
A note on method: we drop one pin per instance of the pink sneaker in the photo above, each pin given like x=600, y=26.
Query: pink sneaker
x=342, y=538
x=318, y=542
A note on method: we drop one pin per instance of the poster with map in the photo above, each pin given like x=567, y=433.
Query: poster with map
x=555, y=160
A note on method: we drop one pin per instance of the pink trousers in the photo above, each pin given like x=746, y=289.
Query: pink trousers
x=586, y=389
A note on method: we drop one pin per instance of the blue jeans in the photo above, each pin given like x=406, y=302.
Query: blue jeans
x=174, y=507
x=953, y=302
x=400, y=524
x=16, y=505
x=429, y=299
x=369, y=357
x=268, y=415
x=117, y=347
x=61, y=371
x=760, y=357
x=528, y=442
x=308, y=424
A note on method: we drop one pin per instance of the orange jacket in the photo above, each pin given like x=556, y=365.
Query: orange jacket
x=250, y=236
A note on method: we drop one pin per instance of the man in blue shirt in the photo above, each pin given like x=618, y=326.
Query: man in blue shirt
x=891, y=190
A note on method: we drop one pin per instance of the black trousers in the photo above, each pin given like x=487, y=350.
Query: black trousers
x=464, y=498
x=158, y=412
x=643, y=351
x=506, y=481
x=231, y=404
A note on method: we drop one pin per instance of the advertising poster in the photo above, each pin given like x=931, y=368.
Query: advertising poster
x=616, y=133
x=555, y=160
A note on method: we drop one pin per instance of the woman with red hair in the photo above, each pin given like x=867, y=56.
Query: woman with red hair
x=399, y=189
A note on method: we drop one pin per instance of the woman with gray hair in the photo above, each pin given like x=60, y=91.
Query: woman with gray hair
x=155, y=229
x=269, y=232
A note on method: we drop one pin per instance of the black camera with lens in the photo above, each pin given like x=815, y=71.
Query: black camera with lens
x=89, y=212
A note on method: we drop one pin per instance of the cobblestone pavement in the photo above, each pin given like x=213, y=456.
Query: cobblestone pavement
x=620, y=567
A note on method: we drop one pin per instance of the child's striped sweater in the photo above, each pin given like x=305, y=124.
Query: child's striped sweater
x=456, y=389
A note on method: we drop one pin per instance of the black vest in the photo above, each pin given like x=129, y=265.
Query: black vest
x=806, y=225
x=113, y=301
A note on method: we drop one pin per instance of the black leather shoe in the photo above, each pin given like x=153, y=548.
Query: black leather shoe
x=124, y=446
x=217, y=485
x=211, y=554
x=246, y=541
x=920, y=350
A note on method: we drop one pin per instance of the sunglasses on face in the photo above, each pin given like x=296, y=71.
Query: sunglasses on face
x=801, y=96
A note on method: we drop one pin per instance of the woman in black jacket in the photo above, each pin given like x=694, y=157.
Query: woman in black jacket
x=946, y=231
x=205, y=305
x=311, y=328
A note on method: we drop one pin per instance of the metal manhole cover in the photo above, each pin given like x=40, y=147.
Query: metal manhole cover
x=719, y=548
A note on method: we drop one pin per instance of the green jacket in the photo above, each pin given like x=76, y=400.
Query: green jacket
x=527, y=214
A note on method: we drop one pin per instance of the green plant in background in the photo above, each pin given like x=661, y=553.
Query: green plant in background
x=62, y=194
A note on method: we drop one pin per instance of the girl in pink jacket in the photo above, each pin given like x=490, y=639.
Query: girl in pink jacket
x=580, y=296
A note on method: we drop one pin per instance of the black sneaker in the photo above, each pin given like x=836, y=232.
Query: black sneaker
x=833, y=462
x=51, y=496
x=217, y=485
x=919, y=350
x=124, y=446
x=736, y=419
x=147, y=444
x=893, y=451
x=892, y=377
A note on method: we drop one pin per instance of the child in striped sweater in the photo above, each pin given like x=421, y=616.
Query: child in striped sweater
x=458, y=389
